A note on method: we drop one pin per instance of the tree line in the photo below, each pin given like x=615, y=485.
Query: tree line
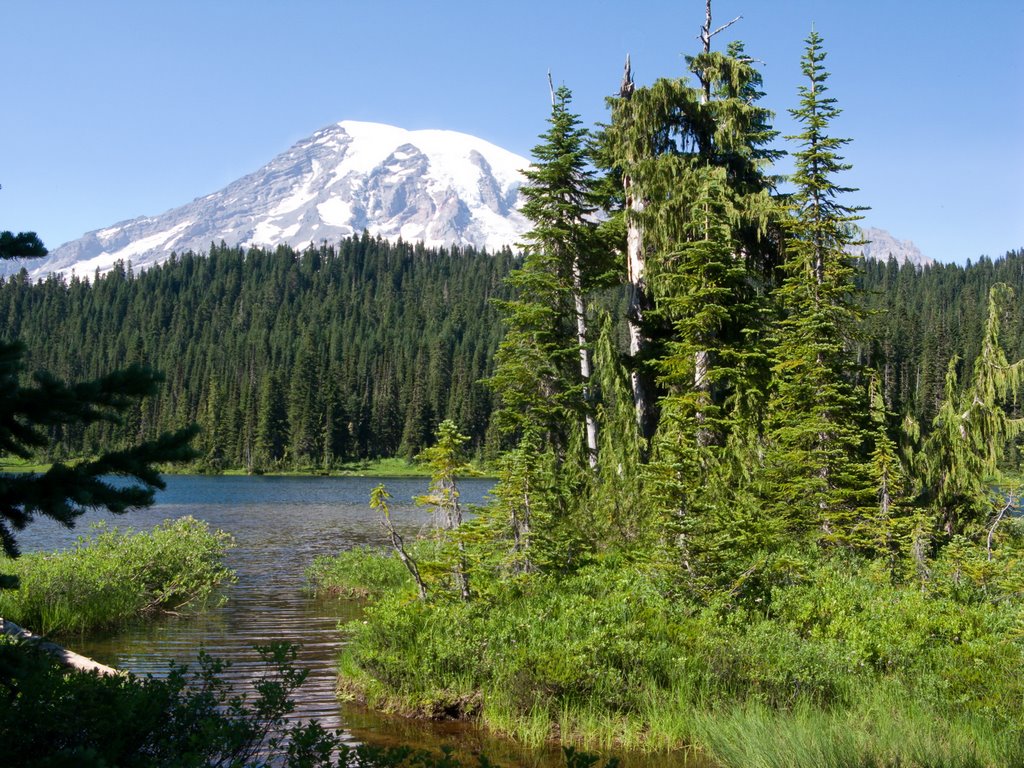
x=361, y=348
x=285, y=360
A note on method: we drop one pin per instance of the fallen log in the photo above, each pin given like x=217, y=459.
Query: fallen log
x=67, y=658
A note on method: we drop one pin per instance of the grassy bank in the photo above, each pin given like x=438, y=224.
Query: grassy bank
x=841, y=667
x=391, y=467
x=12, y=464
x=113, y=577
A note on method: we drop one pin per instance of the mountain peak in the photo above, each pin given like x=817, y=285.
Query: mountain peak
x=880, y=245
x=440, y=187
x=436, y=186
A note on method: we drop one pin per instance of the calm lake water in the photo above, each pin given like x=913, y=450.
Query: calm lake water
x=280, y=524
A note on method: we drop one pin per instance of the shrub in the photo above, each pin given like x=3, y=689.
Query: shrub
x=111, y=578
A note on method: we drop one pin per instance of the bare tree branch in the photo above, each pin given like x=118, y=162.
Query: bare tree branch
x=705, y=32
x=991, y=531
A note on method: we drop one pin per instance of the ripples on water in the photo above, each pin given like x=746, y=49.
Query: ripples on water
x=280, y=524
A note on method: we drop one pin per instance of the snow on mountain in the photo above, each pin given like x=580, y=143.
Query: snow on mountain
x=439, y=187
x=880, y=245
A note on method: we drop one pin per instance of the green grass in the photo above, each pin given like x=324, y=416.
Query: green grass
x=879, y=731
x=111, y=578
x=359, y=573
x=391, y=467
x=395, y=467
x=11, y=464
x=843, y=668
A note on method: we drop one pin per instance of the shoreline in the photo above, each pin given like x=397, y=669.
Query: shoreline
x=391, y=467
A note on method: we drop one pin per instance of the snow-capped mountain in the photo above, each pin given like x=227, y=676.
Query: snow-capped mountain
x=880, y=245
x=439, y=187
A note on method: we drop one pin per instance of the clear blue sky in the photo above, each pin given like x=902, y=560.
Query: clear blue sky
x=115, y=109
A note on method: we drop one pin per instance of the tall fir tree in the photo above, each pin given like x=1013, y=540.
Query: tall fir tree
x=544, y=370
x=543, y=374
x=816, y=478
x=695, y=159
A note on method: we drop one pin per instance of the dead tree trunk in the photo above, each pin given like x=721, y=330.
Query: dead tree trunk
x=586, y=369
x=63, y=655
x=379, y=500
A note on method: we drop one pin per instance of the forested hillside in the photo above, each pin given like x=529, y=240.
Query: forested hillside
x=285, y=360
x=357, y=350
x=919, y=318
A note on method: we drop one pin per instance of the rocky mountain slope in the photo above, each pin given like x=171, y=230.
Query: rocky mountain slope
x=880, y=245
x=439, y=187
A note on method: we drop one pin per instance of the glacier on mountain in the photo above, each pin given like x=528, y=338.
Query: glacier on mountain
x=439, y=187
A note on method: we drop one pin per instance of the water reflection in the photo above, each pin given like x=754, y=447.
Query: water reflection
x=280, y=524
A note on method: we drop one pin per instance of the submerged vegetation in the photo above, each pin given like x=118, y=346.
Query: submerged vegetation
x=112, y=577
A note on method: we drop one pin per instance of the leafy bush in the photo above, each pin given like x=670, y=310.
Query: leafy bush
x=114, y=577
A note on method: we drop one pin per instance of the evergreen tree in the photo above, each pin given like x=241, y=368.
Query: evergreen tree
x=272, y=424
x=304, y=416
x=560, y=201
x=24, y=245
x=543, y=366
x=667, y=141
x=543, y=374
x=699, y=197
x=896, y=520
x=814, y=430
x=963, y=454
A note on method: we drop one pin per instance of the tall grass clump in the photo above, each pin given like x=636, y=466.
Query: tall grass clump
x=112, y=577
x=358, y=573
x=841, y=667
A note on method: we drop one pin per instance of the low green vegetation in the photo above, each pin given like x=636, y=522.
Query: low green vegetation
x=14, y=464
x=838, y=663
x=113, y=577
x=357, y=573
x=388, y=467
